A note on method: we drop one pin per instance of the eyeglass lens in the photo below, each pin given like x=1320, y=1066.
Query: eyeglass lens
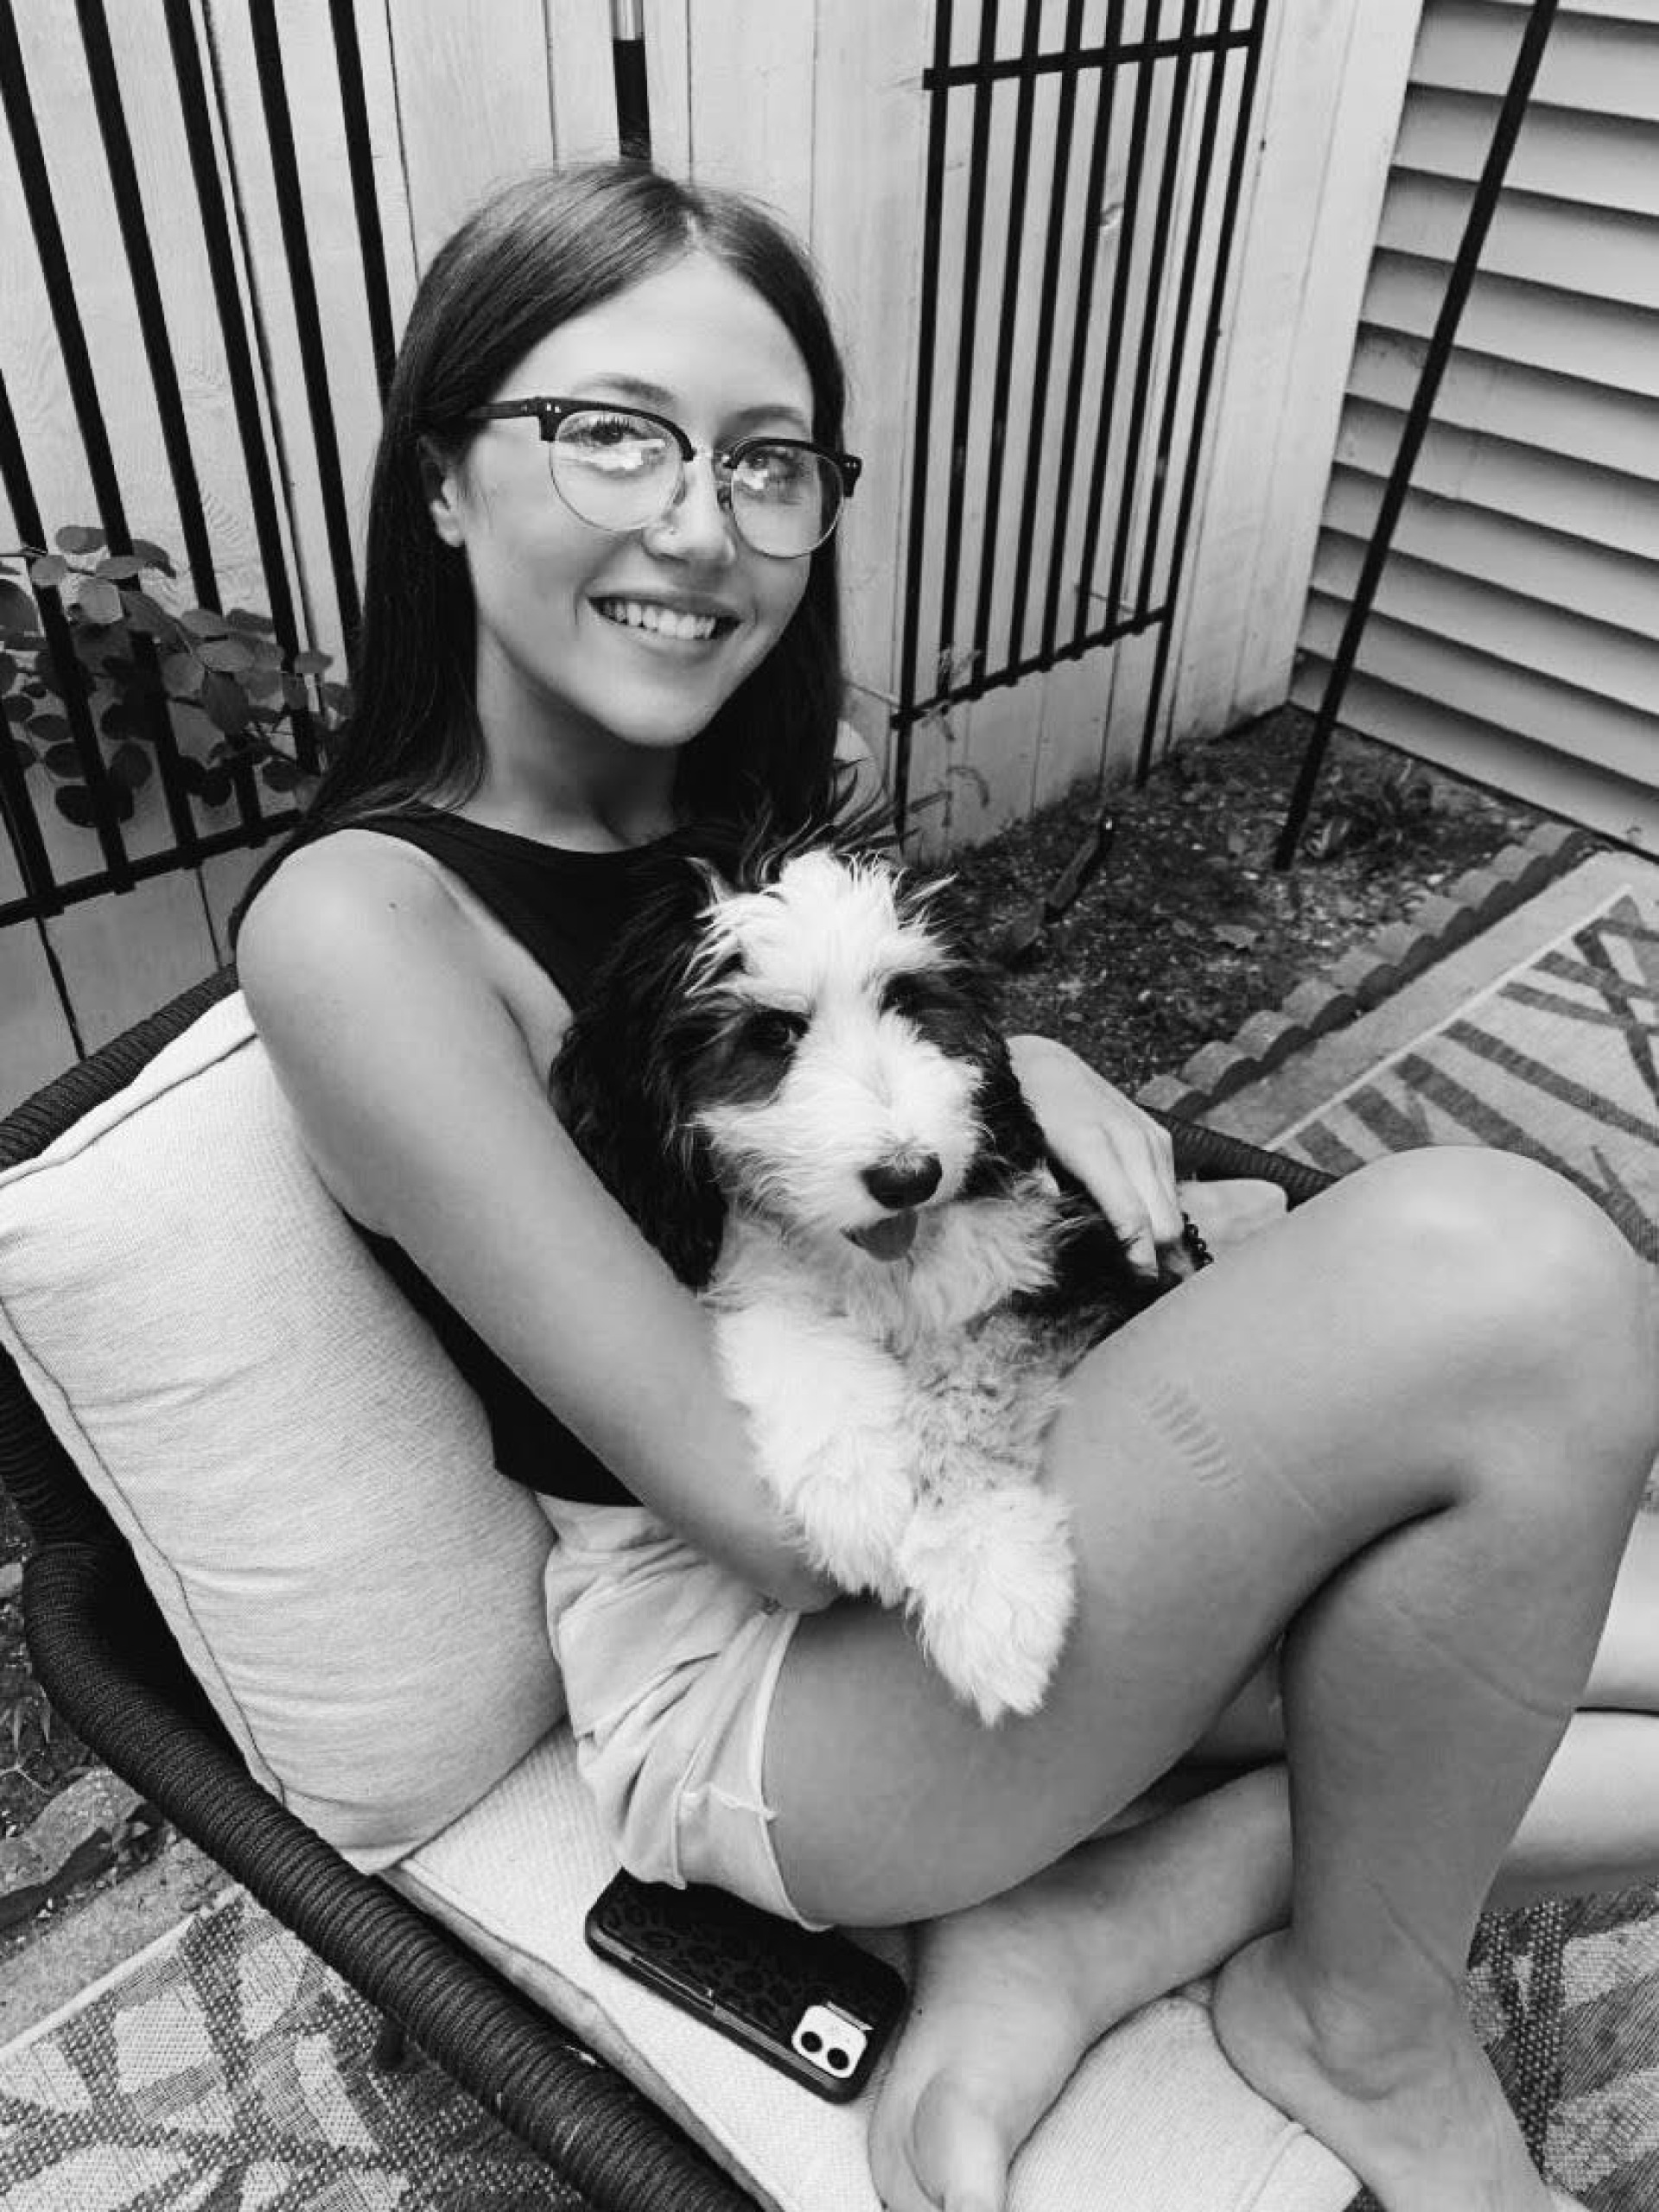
x=620, y=472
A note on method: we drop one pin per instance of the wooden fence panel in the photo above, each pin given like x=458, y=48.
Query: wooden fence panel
x=36, y=1042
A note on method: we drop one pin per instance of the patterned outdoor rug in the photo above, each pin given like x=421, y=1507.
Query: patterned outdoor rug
x=228, y=2071
x=1559, y=1059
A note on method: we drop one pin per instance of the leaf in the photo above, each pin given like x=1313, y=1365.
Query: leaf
x=118, y=566
x=8, y=672
x=17, y=608
x=191, y=726
x=181, y=675
x=225, y=702
x=1241, y=935
x=48, y=729
x=79, y=537
x=261, y=683
x=75, y=802
x=228, y=654
x=244, y=617
x=18, y=709
x=153, y=557
x=202, y=622
x=117, y=719
x=48, y=572
x=311, y=663
x=61, y=760
x=26, y=754
x=295, y=694
x=149, y=616
x=216, y=786
x=279, y=773
x=130, y=767
x=98, y=601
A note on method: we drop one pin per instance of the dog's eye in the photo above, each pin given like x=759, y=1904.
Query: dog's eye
x=773, y=1032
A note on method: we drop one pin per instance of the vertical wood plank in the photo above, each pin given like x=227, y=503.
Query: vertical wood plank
x=36, y=1042
x=668, y=83
x=473, y=105
x=581, y=79
x=123, y=957
x=1328, y=114
x=751, y=101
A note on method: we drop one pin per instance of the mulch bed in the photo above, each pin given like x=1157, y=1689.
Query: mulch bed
x=1185, y=931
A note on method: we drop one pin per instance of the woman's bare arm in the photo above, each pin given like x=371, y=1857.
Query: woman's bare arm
x=427, y=1118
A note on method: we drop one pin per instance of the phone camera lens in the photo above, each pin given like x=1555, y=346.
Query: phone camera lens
x=812, y=2042
x=837, y=2059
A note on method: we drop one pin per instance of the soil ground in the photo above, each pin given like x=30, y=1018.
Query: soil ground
x=1186, y=930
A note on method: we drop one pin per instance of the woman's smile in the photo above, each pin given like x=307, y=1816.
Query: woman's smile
x=676, y=626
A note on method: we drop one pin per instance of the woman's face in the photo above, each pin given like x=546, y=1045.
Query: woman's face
x=557, y=657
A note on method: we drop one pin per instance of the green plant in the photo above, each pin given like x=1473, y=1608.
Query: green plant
x=222, y=683
x=1379, y=815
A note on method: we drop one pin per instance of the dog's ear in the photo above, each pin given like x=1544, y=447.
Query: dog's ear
x=617, y=1082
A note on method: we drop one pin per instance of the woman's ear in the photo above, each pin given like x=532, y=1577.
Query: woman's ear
x=440, y=486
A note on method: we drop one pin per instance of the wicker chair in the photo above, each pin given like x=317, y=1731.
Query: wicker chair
x=111, y=1667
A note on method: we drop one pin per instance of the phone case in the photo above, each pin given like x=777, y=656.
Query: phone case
x=815, y=2005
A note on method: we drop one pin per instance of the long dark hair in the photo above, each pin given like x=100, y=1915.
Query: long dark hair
x=546, y=248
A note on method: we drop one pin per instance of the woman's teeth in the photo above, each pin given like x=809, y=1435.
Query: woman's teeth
x=641, y=615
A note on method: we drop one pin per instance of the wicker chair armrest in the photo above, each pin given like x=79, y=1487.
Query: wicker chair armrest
x=594, y=2128
x=1209, y=1155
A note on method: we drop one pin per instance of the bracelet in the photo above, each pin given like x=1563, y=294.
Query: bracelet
x=1193, y=1237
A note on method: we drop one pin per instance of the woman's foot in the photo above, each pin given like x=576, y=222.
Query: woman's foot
x=1009, y=1995
x=1415, y=2110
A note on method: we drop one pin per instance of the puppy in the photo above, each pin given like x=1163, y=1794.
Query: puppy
x=789, y=1075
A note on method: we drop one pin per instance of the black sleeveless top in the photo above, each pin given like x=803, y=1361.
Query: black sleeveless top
x=565, y=908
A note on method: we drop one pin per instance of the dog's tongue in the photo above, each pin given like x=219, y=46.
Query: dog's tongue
x=889, y=1238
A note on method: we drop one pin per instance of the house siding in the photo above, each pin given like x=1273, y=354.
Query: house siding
x=1514, y=636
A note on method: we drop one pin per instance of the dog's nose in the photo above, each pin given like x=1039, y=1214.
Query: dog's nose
x=905, y=1182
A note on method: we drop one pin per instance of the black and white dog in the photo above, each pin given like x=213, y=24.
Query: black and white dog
x=789, y=1074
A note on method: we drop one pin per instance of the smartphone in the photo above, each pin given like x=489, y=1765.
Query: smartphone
x=817, y=2007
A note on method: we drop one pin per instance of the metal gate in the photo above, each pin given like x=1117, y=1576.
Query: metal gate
x=1049, y=511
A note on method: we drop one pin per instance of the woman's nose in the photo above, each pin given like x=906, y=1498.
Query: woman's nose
x=695, y=525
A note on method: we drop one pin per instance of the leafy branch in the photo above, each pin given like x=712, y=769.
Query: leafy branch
x=228, y=691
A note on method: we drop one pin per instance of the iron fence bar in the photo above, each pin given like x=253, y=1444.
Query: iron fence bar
x=1100, y=147
x=1231, y=201
x=34, y=861
x=365, y=201
x=1035, y=663
x=1112, y=50
x=83, y=393
x=905, y=714
x=279, y=130
x=82, y=887
x=967, y=324
x=1115, y=334
x=1198, y=204
x=194, y=112
x=1510, y=115
x=1064, y=119
x=1147, y=353
x=169, y=400
x=1003, y=375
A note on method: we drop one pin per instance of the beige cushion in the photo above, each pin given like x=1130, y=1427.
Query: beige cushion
x=305, y=1479
x=1155, y=2119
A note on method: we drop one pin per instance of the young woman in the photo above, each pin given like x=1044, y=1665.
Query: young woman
x=1397, y=1440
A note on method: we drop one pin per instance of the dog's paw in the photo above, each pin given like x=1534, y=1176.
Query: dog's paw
x=991, y=1583
x=853, y=1503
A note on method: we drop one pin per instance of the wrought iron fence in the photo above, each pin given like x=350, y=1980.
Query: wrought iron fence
x=1111, y=404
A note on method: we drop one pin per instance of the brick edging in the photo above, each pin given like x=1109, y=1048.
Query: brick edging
x=1366, y=975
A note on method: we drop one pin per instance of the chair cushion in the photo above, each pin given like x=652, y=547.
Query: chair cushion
x=1154, y=2117
x=306, y=1481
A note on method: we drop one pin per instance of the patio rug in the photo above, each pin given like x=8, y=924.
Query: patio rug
x=225, y=2071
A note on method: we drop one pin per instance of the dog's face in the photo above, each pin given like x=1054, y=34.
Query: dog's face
x=812, y=1046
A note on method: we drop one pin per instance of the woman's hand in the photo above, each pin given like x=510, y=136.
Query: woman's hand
x=1126, y=1162
x=1124, y=1159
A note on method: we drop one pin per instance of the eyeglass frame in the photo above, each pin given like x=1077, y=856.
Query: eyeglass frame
x=549, y=413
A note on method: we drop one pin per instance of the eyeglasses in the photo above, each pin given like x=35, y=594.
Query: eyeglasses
x=621, y=468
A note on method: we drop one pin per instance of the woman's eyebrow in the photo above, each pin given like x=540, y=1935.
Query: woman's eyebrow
x=664, y=402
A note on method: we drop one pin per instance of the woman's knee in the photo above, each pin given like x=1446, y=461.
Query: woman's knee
x=1519, y=1290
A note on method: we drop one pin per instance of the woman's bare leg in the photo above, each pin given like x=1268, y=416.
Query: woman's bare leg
x=1381, y=1467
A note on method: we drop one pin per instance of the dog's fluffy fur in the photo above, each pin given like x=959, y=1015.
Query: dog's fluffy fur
x=789, y=1076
